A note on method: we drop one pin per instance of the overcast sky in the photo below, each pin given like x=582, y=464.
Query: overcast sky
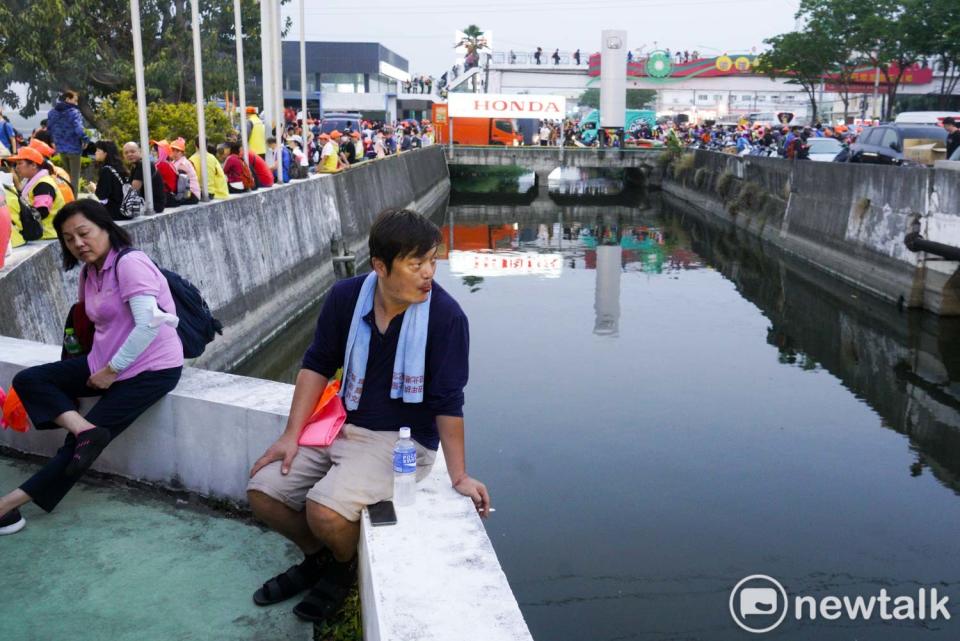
x=422, y=31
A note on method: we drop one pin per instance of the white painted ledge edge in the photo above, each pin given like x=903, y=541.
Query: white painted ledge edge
x=434, y=576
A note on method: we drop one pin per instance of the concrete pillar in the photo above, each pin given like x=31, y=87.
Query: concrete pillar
x=543, y=185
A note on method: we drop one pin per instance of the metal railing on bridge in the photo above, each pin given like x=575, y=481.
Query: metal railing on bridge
x=546, y=58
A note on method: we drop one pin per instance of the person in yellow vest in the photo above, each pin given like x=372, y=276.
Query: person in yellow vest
x=39, y=188
x=330, y=155
x=10, y=200
x=216, y=179
x=59, y=174
x=6, y=230
x=257, y=142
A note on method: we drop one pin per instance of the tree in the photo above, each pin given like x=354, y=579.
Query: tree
x=943, y=44
x=86, y=45
x=165, y=120
x=802, y=58
x=636, y=98
x=831, y=21
x=473, y=41
x=890, y=34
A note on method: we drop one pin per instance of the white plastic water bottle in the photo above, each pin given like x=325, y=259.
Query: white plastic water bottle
x=404, y=469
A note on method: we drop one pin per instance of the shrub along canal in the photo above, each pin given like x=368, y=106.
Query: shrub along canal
x=661, y=408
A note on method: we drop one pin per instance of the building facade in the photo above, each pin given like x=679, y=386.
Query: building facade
x=706, y=88
x=344, y=76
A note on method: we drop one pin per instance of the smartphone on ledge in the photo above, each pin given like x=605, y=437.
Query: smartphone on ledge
x=382, y=513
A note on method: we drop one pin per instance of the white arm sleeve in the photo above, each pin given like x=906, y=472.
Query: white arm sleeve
x=144, y=331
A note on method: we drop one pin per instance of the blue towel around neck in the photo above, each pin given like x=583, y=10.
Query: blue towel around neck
x=409, y=365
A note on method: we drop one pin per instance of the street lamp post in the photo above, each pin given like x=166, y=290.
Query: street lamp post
x=201, y=117
x=141, y=104
x=278, y=84
x=876, y=86
x=241, y=81
x=266, y=57
x=303, y=67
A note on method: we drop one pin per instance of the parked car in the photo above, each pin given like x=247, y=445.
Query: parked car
x=823, y=149
x=924, y=117
x=890, y=144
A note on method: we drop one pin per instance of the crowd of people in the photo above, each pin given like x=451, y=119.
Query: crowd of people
x=786, y=141
x=419, y=84
x=40, y=175
x=539, y=56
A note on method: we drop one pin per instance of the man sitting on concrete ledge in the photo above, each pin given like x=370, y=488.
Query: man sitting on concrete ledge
x=314, y=496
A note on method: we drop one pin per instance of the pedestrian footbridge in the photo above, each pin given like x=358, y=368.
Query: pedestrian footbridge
x=638, y=163
x=546, y=159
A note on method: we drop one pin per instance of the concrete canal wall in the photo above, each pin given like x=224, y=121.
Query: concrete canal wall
x=847, y=219
x=260, y=259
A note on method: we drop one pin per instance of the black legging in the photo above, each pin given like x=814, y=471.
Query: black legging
x=49, y=390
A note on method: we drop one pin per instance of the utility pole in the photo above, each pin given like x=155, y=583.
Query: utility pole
x=876, y=87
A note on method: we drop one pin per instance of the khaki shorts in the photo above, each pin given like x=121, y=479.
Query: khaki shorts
x=355, y=471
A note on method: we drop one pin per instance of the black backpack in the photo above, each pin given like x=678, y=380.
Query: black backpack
x=197, y=325
x=30, y=226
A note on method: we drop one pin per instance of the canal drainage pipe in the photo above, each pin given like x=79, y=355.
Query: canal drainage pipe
x=917, y=243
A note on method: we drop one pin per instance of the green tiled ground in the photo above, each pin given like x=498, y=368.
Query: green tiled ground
x=123, y=564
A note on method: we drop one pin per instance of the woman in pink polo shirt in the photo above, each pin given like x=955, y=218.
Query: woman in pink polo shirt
x=136, y=357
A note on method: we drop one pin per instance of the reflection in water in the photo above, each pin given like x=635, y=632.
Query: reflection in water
x=607, y=300
x=468, y=179
x=612, y=245
x=504, y=263
x=645, y=248
x=584, y=181
x=906, y=365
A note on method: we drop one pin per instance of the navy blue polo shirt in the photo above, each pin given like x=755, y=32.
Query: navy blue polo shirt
x=448, y=347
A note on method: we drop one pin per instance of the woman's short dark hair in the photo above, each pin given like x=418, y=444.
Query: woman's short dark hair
x=398, y=233
x=97, y=214
x=234, y=147
x=44, y=135
x=113, y=156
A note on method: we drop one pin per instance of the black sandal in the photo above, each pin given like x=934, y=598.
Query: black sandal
x=324, y=600
x=295, y=580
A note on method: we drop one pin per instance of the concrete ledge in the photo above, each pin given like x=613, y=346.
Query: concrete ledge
x=434, y=576
x=203, y=437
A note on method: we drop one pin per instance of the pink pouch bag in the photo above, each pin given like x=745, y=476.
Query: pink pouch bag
x=327, y=419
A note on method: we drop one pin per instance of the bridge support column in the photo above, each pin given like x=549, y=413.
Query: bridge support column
x=543, y=184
